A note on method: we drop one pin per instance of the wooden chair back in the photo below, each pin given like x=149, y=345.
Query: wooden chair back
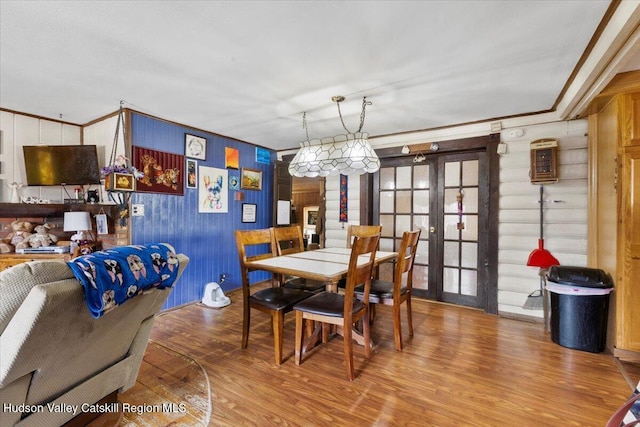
x=287, y=240
x=252, y=245
x=360, y=273
x=361, y=231
x=325, y=306
x=405, y=261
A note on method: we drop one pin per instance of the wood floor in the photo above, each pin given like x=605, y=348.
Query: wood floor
x=462, y=368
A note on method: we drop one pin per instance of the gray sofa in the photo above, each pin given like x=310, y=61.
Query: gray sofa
x=52, y=351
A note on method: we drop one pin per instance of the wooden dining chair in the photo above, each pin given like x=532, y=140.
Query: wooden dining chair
x=288, y=240
x=342, y=309
x=275, y=301
x=399, y=291
x=361, y=231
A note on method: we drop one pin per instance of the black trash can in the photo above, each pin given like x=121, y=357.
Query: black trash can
x=579, y=307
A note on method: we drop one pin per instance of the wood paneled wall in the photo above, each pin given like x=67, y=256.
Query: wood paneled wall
x=206, y=238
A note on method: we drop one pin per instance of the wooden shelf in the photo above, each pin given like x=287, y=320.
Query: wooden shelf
x=16, y=210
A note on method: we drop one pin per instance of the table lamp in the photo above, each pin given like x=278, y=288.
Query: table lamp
x=78, y=222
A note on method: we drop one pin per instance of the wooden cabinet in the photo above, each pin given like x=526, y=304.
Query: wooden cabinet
x=9, y=260
x=614, y=205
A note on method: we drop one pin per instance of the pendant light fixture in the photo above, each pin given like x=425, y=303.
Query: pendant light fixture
x=347, y=154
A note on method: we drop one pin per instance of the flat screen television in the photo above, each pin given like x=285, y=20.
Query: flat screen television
x=61, y=164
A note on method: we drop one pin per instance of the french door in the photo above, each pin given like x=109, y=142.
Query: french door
x=446, y=196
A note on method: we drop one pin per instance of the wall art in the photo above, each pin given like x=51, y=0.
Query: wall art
x=251, y=179
x=249, y=212
x=163, y=172
x=234, y=182
x=263, y=155
x=213, y=192
x=192, y=173
x=195, y=147
x=231, y=158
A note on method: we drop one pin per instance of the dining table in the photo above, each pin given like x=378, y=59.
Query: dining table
x=327, y=265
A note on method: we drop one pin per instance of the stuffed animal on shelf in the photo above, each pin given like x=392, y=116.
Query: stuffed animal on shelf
x=42, y=237
x=18, y=238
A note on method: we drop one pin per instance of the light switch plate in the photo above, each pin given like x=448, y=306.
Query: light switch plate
x=137, y=210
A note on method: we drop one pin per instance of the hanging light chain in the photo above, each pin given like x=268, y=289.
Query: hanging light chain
x=364, y=107
x=304, y=124
x=114, y=147
x=339, y=99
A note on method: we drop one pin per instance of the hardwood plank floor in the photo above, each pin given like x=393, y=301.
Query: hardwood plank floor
x=462, y=367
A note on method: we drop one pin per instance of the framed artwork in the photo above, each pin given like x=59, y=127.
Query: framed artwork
x=231, y=158
x=249, y=212
x=234, y=182
x=213, y=192
x=251, y=179
x=263, y=155
x=101, y=224
x=195, y=147
x=163, y=172
x=310, y=218
x=192, y=173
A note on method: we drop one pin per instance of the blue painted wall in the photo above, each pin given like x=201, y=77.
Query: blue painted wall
x=206, y=238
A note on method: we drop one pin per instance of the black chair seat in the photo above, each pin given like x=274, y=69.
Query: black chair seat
x=305, y=284
x=380, y=290
x=327, y=304
x=279, y=298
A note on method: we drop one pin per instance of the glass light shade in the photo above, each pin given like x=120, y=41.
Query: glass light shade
x=77, y=221
x=349, y=154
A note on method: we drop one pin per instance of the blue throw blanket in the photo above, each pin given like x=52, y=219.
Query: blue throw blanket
x=113, y=276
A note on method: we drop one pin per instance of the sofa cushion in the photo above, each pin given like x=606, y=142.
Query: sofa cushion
x=16, y=283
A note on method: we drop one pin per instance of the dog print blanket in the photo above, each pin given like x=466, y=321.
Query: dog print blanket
x=112, y=276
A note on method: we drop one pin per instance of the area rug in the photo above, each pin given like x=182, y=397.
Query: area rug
x=171, y=389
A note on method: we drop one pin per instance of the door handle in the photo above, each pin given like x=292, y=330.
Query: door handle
x=432, y=229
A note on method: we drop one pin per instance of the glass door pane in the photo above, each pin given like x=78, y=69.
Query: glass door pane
x=460, y=230
x=404, y=204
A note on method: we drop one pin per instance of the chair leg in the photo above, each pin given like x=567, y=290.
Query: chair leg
x=326, y=328
x=372, y=312
x=397, y=327
x=409, y=317
x=299, y=337
x=348, y=350
x=278, y=326
x=366, y=332
x=246, y=320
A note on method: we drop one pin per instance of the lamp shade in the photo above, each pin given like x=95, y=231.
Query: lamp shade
x=77, y=221
x=349, y=154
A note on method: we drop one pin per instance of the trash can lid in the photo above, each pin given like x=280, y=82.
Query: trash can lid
x=579, y=276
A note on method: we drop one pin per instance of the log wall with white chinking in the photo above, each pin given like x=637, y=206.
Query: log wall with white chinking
x=565, y=211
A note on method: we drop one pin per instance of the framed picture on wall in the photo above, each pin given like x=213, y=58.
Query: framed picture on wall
x=249, y=212
x=163, y=172
x=195, y=147
x=251, y=179
x=192, y=173
x=310, y=218
x=231, y=158
x=213, y=194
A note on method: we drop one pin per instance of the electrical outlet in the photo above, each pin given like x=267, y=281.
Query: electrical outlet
x=137, y=210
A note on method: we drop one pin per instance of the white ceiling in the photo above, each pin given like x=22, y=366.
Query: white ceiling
x=249, y=69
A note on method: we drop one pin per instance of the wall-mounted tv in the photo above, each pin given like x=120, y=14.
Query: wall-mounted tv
x=61, y=164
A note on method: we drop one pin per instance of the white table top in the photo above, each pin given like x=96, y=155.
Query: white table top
x=328, y=265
